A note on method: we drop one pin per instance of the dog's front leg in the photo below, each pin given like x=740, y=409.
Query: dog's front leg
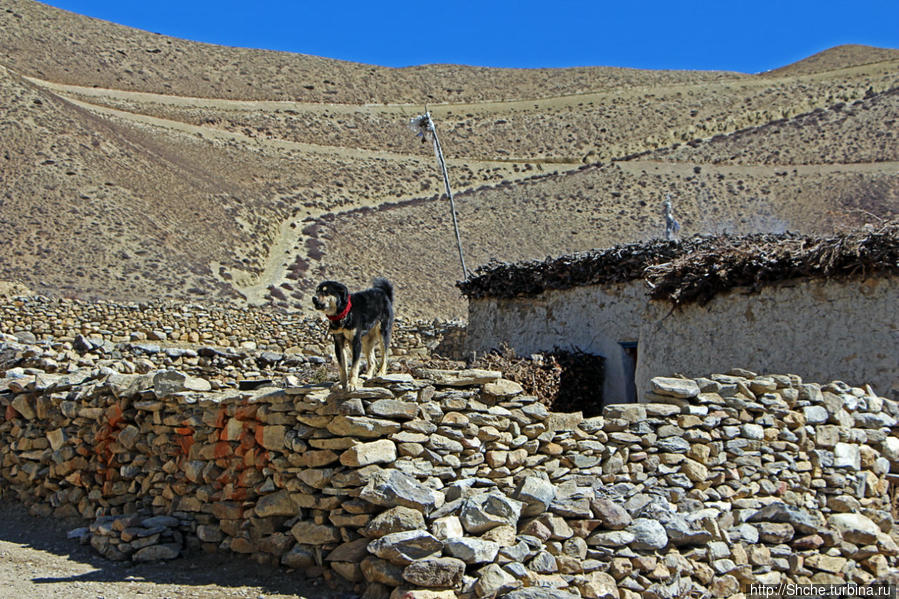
x=353, y=383
x=341, y=360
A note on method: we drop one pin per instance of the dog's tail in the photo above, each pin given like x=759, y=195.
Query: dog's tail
x=385, y=286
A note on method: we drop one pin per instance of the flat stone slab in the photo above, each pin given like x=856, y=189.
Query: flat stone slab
x=458, y=378
x=672, y=387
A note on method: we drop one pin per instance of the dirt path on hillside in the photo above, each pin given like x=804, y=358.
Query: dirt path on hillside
x=283, y=250
x=37, y=561
x=635, y=167
x=742, y=81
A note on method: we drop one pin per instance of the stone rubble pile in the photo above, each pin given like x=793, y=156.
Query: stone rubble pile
x=137, y=537
x=210, y=367
x=221, y=325
x=455, y=484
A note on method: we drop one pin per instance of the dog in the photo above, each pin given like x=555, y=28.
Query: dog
x=357, y=322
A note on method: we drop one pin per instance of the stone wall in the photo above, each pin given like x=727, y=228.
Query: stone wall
x=591, y=319
x=454, y=484
x=206, y=324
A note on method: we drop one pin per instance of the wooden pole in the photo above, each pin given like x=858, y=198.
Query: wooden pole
x=425, y=126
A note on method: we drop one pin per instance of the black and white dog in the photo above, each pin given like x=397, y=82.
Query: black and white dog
x=358, y=322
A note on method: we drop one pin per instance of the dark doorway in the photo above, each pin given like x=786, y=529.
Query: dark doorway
x=629, y=363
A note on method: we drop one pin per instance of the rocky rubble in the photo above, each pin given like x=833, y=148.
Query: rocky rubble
x=446, y=484
x=138, y=537
x=243, y=327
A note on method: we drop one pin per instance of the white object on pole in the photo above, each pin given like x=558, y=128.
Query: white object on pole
x=672, y=227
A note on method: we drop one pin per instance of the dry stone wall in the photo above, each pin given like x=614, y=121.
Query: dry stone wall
x=206, y=324
x=452, y=484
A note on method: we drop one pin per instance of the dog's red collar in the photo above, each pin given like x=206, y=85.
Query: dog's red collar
x=343, y=314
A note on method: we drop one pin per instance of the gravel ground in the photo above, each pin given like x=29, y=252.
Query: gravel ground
x=37, y=561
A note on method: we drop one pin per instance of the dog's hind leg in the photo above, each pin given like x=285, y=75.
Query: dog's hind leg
x=368, y=348
x=384, y=342
x=353, y=382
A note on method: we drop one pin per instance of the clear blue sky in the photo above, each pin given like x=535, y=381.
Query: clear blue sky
x=737, y=35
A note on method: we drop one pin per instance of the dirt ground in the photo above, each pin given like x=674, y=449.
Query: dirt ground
x=37, y=561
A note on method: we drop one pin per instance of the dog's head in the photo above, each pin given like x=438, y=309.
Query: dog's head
x=330, y=297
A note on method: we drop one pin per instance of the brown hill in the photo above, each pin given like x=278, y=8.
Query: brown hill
x=837, y=58
x=56, y=45
x=138, y=166
x=861, y=132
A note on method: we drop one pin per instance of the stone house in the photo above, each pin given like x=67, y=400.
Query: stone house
x=817, y=307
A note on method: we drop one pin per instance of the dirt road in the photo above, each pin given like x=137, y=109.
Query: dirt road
x=37, y=561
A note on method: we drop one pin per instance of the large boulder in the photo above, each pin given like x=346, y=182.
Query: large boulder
x=482, y=512
x=403, y=548
x=782, y=513
x=648, y=534
x=392, y=487
x=536, y=494
x=441, y=572
x=855, y=528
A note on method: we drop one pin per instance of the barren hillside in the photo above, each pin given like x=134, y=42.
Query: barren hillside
x=64, y=47
x=136, y=166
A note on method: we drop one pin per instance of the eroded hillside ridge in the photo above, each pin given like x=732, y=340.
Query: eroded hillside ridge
x=454, y=484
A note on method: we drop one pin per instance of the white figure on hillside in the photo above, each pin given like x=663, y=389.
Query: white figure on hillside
x=672, y=227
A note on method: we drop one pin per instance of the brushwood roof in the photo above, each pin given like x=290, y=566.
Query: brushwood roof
x=698, y=268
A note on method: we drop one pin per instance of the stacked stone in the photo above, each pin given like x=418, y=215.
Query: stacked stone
x=789, y=480
x=457, y=484
x=221, y=325
x=139, y=538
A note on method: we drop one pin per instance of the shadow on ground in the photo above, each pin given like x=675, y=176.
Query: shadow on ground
x=196, y=571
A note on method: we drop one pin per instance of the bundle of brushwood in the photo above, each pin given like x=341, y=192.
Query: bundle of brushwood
x=563, y=381
x=725, y=263
x=696, y=269
x=613, y=265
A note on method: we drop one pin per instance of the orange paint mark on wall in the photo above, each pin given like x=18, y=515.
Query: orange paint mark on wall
x=185, y=442
x=222, y=449
x=245, y=413
x=114, y=415
x=220, y=418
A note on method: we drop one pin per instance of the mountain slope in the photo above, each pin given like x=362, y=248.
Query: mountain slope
x=138, y=166
x=56, y=45
x=741, y=183
x=837, y=58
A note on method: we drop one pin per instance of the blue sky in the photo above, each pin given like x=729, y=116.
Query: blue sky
x=736, y=35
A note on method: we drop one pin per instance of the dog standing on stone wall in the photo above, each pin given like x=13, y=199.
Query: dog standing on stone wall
x=357, y=322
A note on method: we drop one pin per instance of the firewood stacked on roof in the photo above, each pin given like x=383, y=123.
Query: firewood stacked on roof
x=696, y=269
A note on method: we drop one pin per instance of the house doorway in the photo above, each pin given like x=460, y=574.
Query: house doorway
x=629, y=367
